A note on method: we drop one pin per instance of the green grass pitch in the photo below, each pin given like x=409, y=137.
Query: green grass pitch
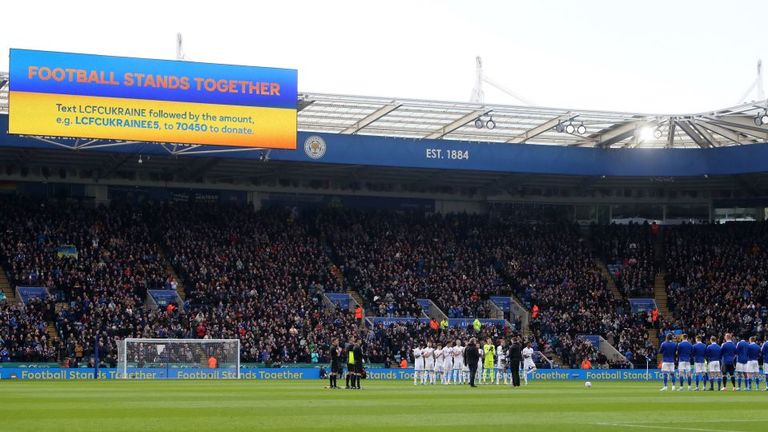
x=211, y=406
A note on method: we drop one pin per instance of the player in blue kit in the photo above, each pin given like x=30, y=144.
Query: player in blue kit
x=684, y=351
x=753, y=367
x=764, y=351
x=699, y=369
x=742, y=357
x=727, y=361
x=712, y=355
x=668, y=351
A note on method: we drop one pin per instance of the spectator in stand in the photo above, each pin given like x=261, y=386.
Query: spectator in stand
x=628, y=251
x=717, y=278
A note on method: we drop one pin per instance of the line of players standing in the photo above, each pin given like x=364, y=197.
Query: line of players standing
x=714, y=363
x=454, y=364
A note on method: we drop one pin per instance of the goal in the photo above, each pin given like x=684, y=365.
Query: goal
x=139, y=358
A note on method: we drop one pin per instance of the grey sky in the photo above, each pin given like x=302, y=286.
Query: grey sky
x=647, y=56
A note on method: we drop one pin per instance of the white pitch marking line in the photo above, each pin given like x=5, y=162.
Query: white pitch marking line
x=665, y=427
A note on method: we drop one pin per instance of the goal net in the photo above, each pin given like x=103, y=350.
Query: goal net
x=139, y=358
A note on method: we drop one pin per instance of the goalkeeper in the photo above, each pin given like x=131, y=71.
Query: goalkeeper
x=489, y=351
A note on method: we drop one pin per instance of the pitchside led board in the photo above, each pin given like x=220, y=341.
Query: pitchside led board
x=133, y=99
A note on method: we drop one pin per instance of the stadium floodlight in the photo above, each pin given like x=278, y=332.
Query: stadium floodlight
x=657, y=133
x=479, y=123
x=570, y=128
x=490, y=124
x=764, y=118
x=646, y=134
x=581, y=130
x=559, y=127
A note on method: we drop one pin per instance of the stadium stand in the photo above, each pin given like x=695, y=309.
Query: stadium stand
x=393, y=259
x=261, y=276
x=99, y=280
x=628, y=252
x=717, y=278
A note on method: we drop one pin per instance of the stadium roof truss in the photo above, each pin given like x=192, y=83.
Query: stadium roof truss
x=423, y=119
x=419, y=119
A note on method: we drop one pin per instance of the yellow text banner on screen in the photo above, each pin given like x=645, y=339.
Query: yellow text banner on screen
x=78, y=95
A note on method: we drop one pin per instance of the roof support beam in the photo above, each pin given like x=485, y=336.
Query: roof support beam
x=540, y=129
x=742, y=124
x=695, y=136
x=370, y=118
x=671, y=133
x=703, y=132
x=606, y=137
x=463, y=120
x=729, y=134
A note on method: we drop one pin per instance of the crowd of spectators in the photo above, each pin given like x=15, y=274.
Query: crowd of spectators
x=553, y=271
x=254, y=276
x=392, y=259
x=717, y=278
x=23, y=331
x=260, y=277
x=633, y=341
x=629, y=253
x=99, y=282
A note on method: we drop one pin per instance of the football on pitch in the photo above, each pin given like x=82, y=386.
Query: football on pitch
x=588, y=384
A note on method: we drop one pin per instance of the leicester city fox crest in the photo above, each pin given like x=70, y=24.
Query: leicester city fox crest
x=314, y=147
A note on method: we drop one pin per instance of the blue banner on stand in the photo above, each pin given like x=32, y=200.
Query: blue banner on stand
x=467, y=322
x=387, y=321
x=341, y=300
x=642, y=304
x=503, y=302
x=28, y=293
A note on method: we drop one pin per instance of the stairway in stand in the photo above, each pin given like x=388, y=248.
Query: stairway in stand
x=653, y=338
x=660, y=295
x=609, y=280
x=357, y=298
x=53, y=335
x=556, y=360
x=5, y=286
x=169, y=270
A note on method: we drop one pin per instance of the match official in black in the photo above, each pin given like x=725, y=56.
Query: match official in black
x=471, y=357
x=515, y=356
x=359, y=356
x=336, y=368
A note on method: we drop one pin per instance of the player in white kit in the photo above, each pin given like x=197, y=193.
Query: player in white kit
x=458, y=363
x=501, y=362
x=439, y=362
x=447, y=364
x=418, y=364
x=480, y=362
x=429, y=364
x=528, y=365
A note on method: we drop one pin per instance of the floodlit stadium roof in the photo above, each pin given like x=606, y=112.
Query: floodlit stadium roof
x=412, y=118
x=418, y=119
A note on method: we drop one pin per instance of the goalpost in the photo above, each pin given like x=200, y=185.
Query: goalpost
x=141, y=358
